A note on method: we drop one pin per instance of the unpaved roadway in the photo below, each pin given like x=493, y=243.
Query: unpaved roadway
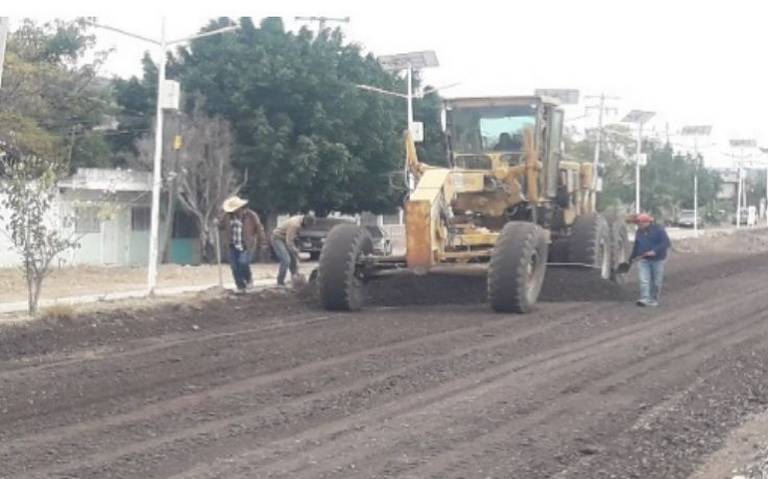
x=268, y=387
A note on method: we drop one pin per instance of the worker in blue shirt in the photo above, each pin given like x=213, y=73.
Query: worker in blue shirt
x=650, y=251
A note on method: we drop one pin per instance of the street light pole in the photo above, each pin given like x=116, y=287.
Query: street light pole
x=696, y=186
x=639, y=117
x=154, y=229
x=3, y=39
x=637, y=167
x=158, y=156
x=409, y=77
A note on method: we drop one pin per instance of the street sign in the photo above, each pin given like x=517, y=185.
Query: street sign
x=416, y=60
x=743, y=143
x=170, y=94
x=417, y=131
x=638, y=116
x=567, y=96
x=697, y=130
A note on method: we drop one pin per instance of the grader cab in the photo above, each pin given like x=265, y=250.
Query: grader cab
x=507, y=207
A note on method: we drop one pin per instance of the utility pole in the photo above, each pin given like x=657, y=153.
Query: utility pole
x=601, y=107
x=321, y=21
x=3, y=38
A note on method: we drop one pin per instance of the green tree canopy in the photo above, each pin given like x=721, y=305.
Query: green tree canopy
x=52, y=100
x=308, y=138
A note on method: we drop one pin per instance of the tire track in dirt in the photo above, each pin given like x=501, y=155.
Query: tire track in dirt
x=334, y=432
x=152, y=412
x=582, y=408
x=141, y=347
x=450, y=435
x=424, y=352
x=119, y=424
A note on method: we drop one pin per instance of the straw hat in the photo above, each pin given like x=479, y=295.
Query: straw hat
x=233, y=203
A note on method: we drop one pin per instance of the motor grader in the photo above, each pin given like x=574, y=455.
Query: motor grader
x=509, y=206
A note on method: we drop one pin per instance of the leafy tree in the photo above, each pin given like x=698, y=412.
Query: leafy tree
x=29, y=188
x=51, y=99
x=309, y=139
x=666, y=184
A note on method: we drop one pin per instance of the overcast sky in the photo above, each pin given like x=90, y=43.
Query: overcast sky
x=693, y=63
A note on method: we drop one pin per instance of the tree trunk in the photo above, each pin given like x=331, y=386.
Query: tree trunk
x=170, y=212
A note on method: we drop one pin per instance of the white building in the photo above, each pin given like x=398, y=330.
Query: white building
x=108, y=212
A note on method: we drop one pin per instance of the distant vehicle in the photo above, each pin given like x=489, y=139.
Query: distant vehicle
x=312, y=238
x=744, y=217
x=687, y=218
x=382, y=244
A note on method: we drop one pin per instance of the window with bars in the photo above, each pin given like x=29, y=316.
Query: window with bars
x=87, y=220
x=140, y=218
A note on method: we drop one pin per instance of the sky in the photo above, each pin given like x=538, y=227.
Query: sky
x=690, y=62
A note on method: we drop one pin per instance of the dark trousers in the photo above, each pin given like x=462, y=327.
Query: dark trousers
x=240, y=261
x=287, y=258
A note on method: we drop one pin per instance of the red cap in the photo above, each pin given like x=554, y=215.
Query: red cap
x=644, y=218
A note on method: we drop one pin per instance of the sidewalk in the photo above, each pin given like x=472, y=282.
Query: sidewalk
x=91, y=284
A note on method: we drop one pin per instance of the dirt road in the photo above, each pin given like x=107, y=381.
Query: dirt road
x=266, y=387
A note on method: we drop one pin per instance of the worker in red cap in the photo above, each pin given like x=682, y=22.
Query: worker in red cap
x=651, y=245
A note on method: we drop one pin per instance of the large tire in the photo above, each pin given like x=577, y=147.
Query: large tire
x=517, y=268
x=339, y=282
x=558, y=251
x=590, y=243
x=621, y=250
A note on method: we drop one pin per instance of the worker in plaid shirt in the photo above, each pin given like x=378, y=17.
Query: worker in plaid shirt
x=245, y=233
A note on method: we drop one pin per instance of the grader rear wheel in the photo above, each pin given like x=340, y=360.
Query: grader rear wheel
x=590, y=244
x=339, y=281
x=517, y=268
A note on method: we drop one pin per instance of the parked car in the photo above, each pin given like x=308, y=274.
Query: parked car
x=311, y=239
x=744, y=217
x=687, y=218
x=382, y=243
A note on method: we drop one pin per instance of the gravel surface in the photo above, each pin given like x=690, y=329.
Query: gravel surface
x=267, y=386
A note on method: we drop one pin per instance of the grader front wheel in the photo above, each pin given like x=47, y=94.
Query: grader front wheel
x=339, y=281
x=517, y=268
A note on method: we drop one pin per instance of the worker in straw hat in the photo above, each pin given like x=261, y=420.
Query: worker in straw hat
x=650, y=250
x=245, y=234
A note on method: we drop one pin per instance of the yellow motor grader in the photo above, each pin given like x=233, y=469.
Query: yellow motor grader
x=508, y=206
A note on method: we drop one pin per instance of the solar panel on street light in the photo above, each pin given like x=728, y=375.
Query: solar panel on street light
x=567, y=96
x=638, y=116
x=743, y=143
x=697, y=130
x=416, y=60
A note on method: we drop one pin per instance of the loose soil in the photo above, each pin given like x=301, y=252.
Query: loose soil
x=268, y=385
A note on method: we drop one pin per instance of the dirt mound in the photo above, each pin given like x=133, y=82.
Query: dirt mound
x=560, y=285
x=730, y=241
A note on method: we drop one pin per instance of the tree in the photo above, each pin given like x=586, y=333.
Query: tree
x=29, y=188
x=206, y=175
x=51, y=100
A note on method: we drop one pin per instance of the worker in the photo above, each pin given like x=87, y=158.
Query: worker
x=245, y=235
x=650, y=250
x=284, y=245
